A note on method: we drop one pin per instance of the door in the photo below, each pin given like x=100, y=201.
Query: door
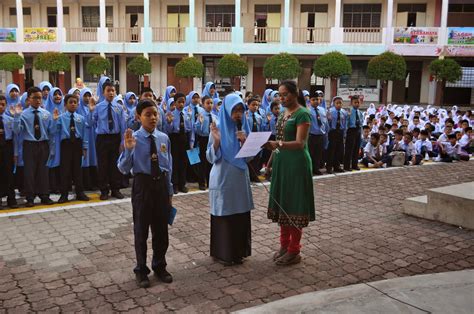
x=414, y=87
x=402, y=19
x=259, y=83
x=304, y=34
x=420, y=19
x=183, y=85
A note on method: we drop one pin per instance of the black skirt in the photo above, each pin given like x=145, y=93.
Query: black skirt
x=231, y=237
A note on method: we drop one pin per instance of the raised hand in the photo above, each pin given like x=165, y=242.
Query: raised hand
x=55, y=114
x=216, y=134
x=129, y=140
x=92, y=103
x=169, y=117
x=16, y=110
x=269, y=117
x=201, y=118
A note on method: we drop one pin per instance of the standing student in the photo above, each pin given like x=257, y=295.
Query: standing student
x=256, y=124
x=100, y=87
x=317, y=134
x=45, y=87
x=192, y=104
x=169, y=93
x=179, y=127
x=37, y=127
x=130, y=101
x=73, y=135
x=147, y=156
x=291, y=202
x=7, y=138
x=18, y=150
x=353, y=135
x=210, y=90
x=108, y=119
x=12, y=96
x=202, y=129
x=337, y=125
x=266, y=102
x=230, y=195
x=270, y=125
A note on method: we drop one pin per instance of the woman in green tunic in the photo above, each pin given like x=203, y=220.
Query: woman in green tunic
x=291, y=202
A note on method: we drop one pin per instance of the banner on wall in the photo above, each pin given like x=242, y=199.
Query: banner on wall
x=415, y=35
x=461, y=36
x=368, y=94
x=40, y=34
x=7, y=34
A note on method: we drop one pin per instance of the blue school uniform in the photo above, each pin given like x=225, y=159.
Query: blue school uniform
x=168, y=92
x=207, y=88
x=352, y=119
x=255, y=121
x=11, y=101
x=7, y=126
x=100, y=118
x=127, y=104
x=80, y=125
x=51, y=106
x=90, y=160
x=173, y=127
x=41, y=86
x=24, y=125
x=203, y=129
x=319, y=121
x=332, y=119
x=99, y=91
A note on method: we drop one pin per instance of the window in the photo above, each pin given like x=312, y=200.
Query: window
x=220, y=15
x=178, y=9
x=412, y=8
x=52, y=14
x=264, y=8
x=358, y=78
x=461, y=8
x=313, y=8
x=362, y=15
x=26, y=11
x=91, y=16
x=134, y=10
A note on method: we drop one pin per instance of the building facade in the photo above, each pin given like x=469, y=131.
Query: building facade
x=166, y=30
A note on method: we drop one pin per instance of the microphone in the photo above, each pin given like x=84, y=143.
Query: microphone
x=239, y=125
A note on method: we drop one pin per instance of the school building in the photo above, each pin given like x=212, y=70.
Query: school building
x=166, y=30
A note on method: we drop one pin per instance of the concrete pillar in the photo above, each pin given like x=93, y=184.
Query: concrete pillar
x=19, y=21
x=443, y=31
x=336, y=31
x=389, y=28
x=60, y=21
x=192, y=14
x=123, y=72
x=238, y=13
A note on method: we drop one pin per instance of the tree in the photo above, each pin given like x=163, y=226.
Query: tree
x=11, y=62
x=231, y=66
x=187, y=68
x=444, y=70
x=282, y=66
x=386, y=67
x=97, y=65
x=332, y=65
x=139, y=66
x=53, y=62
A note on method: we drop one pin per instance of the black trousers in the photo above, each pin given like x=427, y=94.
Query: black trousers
x=108, y=151
x=335, y=149
x=351, y=150
x=89, y=178
x=36, y=176
x=54, y=179
x=204, y=166
x=179, y=145
x=70, y=166
x=7, y=183
x=316, y=148
x=151, y=209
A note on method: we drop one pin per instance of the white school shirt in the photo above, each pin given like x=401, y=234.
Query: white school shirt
x=419, y=144
x=371, y=151
x=464, y=141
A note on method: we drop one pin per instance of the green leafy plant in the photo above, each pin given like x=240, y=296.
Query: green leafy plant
x=11, y=62
x=232, y=66
x=97, y=65
x=386, y=67
x=53, y=62
x=332, y=65
x=444, y=70
x=189, y=67
x=139, y=66
x=282, y=66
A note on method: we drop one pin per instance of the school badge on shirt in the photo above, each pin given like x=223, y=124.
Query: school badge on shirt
x=154, y=157
x=163, y=148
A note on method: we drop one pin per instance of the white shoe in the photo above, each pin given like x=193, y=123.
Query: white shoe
x=437, y=159
x=371, y=165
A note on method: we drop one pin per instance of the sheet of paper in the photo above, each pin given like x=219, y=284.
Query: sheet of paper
x=253, y=144
x=193, y=156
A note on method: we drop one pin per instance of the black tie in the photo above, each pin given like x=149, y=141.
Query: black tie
x=254, y=125
x=318, y=118
x=110, y=117
x=36, y=125
x=357, y=119
x=155, y=164
x=72, y=129
x=181, y=122
x=2, y=132
x=338, y=121
x=195, y=113
x=210, y=119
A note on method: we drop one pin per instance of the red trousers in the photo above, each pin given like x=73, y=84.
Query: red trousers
x=290, y=238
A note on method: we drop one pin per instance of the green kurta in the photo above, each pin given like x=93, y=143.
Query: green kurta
x=292, y=182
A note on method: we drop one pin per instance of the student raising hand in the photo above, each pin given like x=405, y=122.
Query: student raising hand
x=216, y=135
x=16, y=110
x=92, y=103
x=55, y=114
x=129, y=140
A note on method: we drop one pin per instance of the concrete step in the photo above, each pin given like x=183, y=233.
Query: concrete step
x=416, y=206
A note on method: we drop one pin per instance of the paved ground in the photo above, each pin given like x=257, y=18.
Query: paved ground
x=82, y=258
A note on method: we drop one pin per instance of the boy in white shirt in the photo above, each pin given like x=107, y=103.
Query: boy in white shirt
x=409, y=148
x=423, y=146
x=373, y=152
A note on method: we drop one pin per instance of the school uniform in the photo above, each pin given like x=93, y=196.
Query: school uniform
x=7, y=138
x=353, y=135
x=376, y=152
x=150, y=163
x=256, y=124
x=192, y=171
x=423, y=147
x=317, y=134
x=73, y=134
x=410, y=151
x=337, y=127
x=202, y=130
x=108, y=119
x=11, y=102
x=37, y=128
x=181, y=134
x=270, y=126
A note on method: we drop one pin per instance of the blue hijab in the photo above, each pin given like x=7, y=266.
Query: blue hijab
x=127, y=97
x=118, y=100
x=189, y=98
x=306, y=93
x=214, y=106
x=168, y=91
x=83, y=108
x=100, y=92
x=23, y=99
x=12, y=101
x=73, y=90
x=265, y=103
x=230, y=145
x=41, y=86
x=51, y=105
x=207, y=88
x=273, y=95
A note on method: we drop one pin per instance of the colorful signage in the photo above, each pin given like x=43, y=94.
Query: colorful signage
x=40, y=35
x=368, y=94
x=461, y=36
x=8, y=35
x=415, y=35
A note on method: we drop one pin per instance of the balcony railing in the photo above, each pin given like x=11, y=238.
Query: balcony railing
x=132, y=35
x=366, y=35
x=169, y=34
x=311, y=35
x=214, y=33
x=81, y=34
x=262, y=35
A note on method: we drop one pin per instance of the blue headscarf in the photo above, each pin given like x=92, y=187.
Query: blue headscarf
x=51, y=105
x=265, y=103
x=23, y=99
x=127, y=97
x=100, y=92
x=41, y=86
x=118, y=100
x=73, y=90
x=168, y=91
x=189, y=98
x=230, y=145
x=239, y=93
x=273, y=95
x=214, y=106
x=11, y=101
x=305, y=94
x=207, y=88
x=83, y=108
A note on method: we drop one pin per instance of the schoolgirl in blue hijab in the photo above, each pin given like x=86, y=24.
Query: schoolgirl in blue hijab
x=23, y=98
x=169, y=93
x=12, y=95
x=100, y=92
x=45, y=87
x=55, y=102
x=130, y=101
x=210, y=90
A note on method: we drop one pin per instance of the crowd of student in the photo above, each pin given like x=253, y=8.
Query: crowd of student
x=50, y=142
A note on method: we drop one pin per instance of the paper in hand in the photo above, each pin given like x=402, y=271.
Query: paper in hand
x=253, y=144
x=193, y=156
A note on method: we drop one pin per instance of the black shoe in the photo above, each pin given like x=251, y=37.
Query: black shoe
x=104, y=196
x=47, y=201
x=117, y=194
x=184, y=189
x=348, y=169
x=82, y=197
x=12, y=204
x=356, y=168
x=238, y=261
x=29, y=203
x=328, y=171
x=202, y=187
x=142, y=280
x=338, y=170
x=63, y=199
x=164, y=276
